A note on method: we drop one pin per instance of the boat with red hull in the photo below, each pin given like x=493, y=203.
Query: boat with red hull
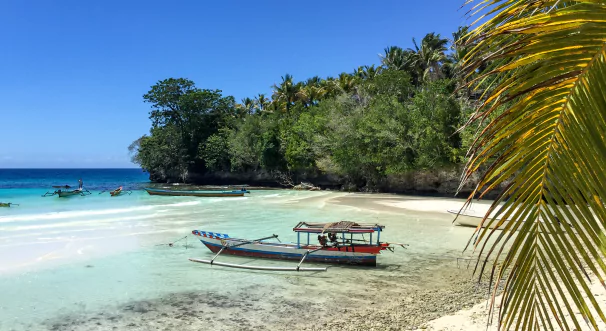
x=338, y=243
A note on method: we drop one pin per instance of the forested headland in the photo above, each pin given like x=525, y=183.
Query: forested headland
x=392, y=127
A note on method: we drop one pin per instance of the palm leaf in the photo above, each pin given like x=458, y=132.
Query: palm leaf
x=546, y=144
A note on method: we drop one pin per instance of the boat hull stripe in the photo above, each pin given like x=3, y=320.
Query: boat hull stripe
x=359, y=259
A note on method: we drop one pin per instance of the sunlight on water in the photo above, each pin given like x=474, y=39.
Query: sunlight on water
x=90, y=254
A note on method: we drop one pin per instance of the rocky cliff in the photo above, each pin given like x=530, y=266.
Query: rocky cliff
x=439, y=182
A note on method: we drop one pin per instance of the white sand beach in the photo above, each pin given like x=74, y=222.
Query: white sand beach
x=474, y=318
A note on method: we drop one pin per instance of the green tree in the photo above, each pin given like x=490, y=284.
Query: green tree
x=215, y=152
x=180, y=110
x=285, y=94
x=429, y=56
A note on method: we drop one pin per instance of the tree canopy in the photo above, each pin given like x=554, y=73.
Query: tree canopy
x=360, y=126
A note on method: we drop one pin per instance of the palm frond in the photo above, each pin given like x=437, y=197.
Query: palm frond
x=546, y=144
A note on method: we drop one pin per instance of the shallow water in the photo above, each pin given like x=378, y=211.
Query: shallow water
x=84, y=256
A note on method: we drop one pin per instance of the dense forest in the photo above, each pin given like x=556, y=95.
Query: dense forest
x=356, y=131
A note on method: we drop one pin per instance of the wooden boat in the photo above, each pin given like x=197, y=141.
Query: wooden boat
x=472, y=219
x=67, y=193
x=336, y=244
x=153, y=191
x=7, y=204
x=118, y=192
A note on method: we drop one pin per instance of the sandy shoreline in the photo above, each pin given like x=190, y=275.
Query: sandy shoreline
x=436, y=287
x=418, y=290
x=467, y=318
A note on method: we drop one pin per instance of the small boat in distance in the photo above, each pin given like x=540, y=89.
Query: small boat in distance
x=67, y=194
x=180, y=193
x=7, y=204
x=64, y=192
x=118, y=191
x=341, y=242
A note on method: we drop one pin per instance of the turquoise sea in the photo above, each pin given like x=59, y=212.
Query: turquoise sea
x=103, y=263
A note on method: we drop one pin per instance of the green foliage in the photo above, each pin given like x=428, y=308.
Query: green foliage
x=363, y=126
x=436, y=119
x=545, y=142
x=183, y=120
x=164, y=152
x=213, y=152
x=393, y=83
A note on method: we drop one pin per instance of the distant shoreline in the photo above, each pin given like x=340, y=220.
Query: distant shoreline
x=73, y=169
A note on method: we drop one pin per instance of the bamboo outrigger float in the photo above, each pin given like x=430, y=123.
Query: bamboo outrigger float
x=336, y=244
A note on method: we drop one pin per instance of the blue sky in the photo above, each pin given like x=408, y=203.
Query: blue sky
x=73, y=72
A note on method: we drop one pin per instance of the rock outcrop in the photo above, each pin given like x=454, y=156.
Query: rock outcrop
x=439, y=182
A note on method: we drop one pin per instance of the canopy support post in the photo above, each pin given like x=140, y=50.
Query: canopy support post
x=214, y=257
x=305, y=256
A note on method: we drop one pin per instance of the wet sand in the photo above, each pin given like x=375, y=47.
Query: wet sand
x=385, y=304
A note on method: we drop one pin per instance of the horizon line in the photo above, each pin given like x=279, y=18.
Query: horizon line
x=61, y=168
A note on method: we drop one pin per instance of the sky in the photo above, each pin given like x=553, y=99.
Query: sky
x=73, y=73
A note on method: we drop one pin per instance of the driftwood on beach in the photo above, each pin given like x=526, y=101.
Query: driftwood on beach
x=306, y=186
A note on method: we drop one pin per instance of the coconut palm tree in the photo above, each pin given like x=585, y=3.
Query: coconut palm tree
x=429, y=56
x=546, y=147
x=313, y=81
x=261, y=102
x=394, y=58
x=310, y=95
x=367, y=72
x=330, y=87
x=249, y=105
x=345, y=82
x=286, y=93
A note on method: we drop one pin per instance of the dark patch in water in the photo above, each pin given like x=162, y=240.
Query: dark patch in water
x=303, y=306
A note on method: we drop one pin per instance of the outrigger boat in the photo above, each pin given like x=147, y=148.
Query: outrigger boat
x=180, y=193
x=471, y=219
x=67, y=193
x=7, y=204
x=336, y=244
x=118, y=192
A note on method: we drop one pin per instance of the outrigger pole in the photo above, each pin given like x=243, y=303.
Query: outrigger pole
x=240, y=266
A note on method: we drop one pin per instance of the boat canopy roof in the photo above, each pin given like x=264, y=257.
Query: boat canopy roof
x=342, y=226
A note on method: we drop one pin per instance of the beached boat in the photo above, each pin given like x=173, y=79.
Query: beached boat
x=472, y=219
x=153, y=191
x=338, y=243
